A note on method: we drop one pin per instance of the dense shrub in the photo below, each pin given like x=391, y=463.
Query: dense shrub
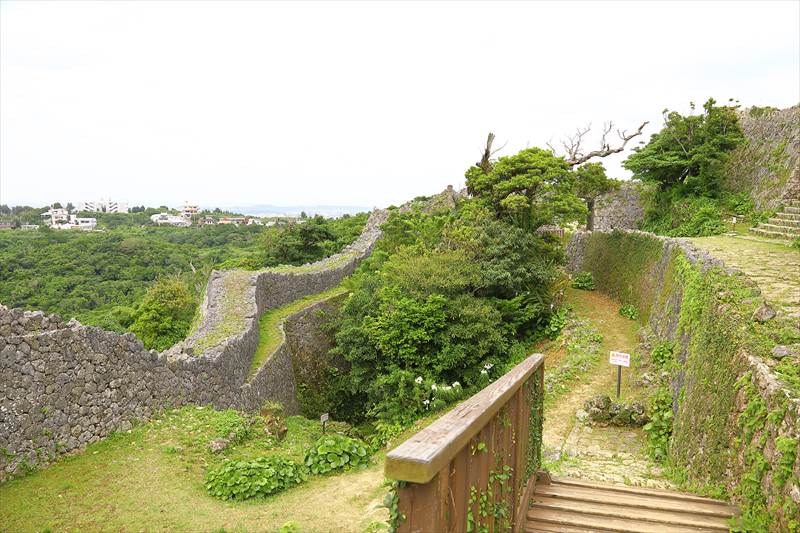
x=676, y=215
x=242, y=480
x=443, y=296
x=336, y=452
x=584, y=281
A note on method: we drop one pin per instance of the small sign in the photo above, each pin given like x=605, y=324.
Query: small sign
x=324, y=418
x=620, y=358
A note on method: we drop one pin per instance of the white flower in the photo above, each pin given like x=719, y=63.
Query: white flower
x=433, y=386
x=426, y=402
x=419, y=379
x=488, y=366
x=456, y=384
x=483, y=371
x=447, y=387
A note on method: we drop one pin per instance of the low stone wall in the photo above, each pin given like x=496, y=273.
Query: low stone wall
x=736, y=423
x=65, y=385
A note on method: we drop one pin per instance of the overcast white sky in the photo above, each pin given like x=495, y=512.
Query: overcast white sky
x=348, y=103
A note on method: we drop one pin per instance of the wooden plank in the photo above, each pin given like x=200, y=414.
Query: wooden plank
x=405, y=506
x=633, y=490
x=459, y=493
x=634, y=500
x=423, y=455
x=504, y=492
x=493, y=452
x=521, y=485
x=604, y=523
x=535, y=526
x=429, y=504
x=611, y=510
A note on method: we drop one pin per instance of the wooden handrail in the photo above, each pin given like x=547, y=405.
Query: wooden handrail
x=423, y=455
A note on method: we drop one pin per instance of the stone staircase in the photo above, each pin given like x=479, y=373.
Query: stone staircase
x=784, y=225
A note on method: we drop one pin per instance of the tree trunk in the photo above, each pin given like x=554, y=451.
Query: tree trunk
x=590, y=216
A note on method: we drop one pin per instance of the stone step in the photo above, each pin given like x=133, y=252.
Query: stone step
x=792, y=210
x=793, y=203
x=781, y=229
x=772, y=234
x=788, y=216
x=780, y=221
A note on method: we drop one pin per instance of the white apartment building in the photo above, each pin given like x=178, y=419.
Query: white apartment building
x=61, y=219
x=189, y=210
x=165, y=219
x=55, y=216
x=81, y=223
x=104, y=206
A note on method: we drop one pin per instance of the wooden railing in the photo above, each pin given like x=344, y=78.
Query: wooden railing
x=474, y=468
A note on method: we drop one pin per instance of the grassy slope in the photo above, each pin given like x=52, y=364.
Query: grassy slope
x=269, y=325
x=150, y=479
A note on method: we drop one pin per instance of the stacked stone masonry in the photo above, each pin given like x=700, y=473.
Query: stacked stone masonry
x=64, y=385
x=620, y=209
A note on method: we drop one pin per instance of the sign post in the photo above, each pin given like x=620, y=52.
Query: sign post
x=620, y=359
x=323, y=419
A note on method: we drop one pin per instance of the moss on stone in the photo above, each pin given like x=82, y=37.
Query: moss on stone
x=233, y=315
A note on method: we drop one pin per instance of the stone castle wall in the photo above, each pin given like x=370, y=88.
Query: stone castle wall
x=620, y=209
x=65, y=385
x=767, y=166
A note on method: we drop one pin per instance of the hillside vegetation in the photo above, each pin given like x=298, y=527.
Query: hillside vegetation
x=146, y=279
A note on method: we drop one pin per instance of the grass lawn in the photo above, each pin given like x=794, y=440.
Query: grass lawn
x=269, y=325
x=151, y=479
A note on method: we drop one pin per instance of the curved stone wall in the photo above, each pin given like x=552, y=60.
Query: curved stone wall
x=65, y=385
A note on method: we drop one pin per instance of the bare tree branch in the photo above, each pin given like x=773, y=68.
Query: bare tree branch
x=573, y=149
x=485, y=163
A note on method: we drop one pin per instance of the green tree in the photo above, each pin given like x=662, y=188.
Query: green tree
x=530, y=189
x=592, y=182
x=689, y=152
x=300, y=243
x=165, y=314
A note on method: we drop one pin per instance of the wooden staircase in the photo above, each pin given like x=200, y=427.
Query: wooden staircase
x=563, y=505
x=784, y=225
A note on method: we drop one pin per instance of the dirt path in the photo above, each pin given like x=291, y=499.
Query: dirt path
x=609, y=454
x=774, y=266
